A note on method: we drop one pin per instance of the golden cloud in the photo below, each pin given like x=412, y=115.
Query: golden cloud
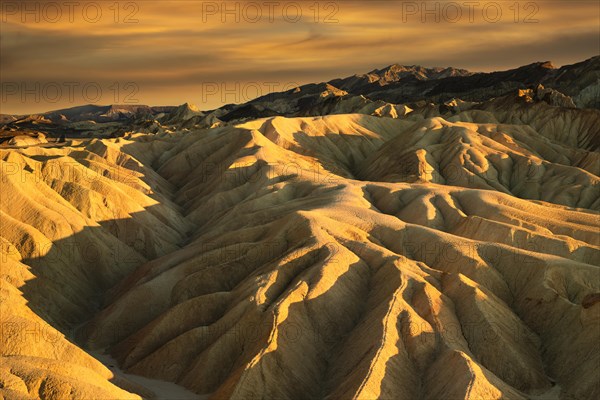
x=171, y=48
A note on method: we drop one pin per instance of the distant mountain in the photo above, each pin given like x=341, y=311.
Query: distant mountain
x=87, y=120
x=393, y=91
x=410, y=85
x=114, y=112
x=182, y=113
x=400, y=84
x=394, y=74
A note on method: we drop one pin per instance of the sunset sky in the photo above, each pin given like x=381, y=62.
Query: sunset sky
x=171, y=52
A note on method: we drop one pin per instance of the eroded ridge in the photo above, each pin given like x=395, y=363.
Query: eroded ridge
x=345, y=256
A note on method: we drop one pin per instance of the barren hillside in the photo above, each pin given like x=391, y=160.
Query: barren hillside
x=431, y=255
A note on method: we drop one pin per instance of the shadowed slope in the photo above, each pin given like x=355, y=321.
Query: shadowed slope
x=75, y=220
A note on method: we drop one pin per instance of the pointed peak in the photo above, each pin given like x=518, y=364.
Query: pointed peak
x=547, y=64
x=189, y=106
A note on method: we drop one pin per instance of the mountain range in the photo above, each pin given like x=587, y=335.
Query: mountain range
x=396, y=87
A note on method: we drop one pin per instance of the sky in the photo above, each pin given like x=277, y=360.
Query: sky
x=59, y=54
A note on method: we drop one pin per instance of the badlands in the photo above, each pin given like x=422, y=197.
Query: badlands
x=344, y=246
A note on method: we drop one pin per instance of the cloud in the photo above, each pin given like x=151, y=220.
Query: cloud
x=177, y=46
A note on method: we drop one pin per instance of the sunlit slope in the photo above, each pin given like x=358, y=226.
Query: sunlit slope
x=356, y=256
